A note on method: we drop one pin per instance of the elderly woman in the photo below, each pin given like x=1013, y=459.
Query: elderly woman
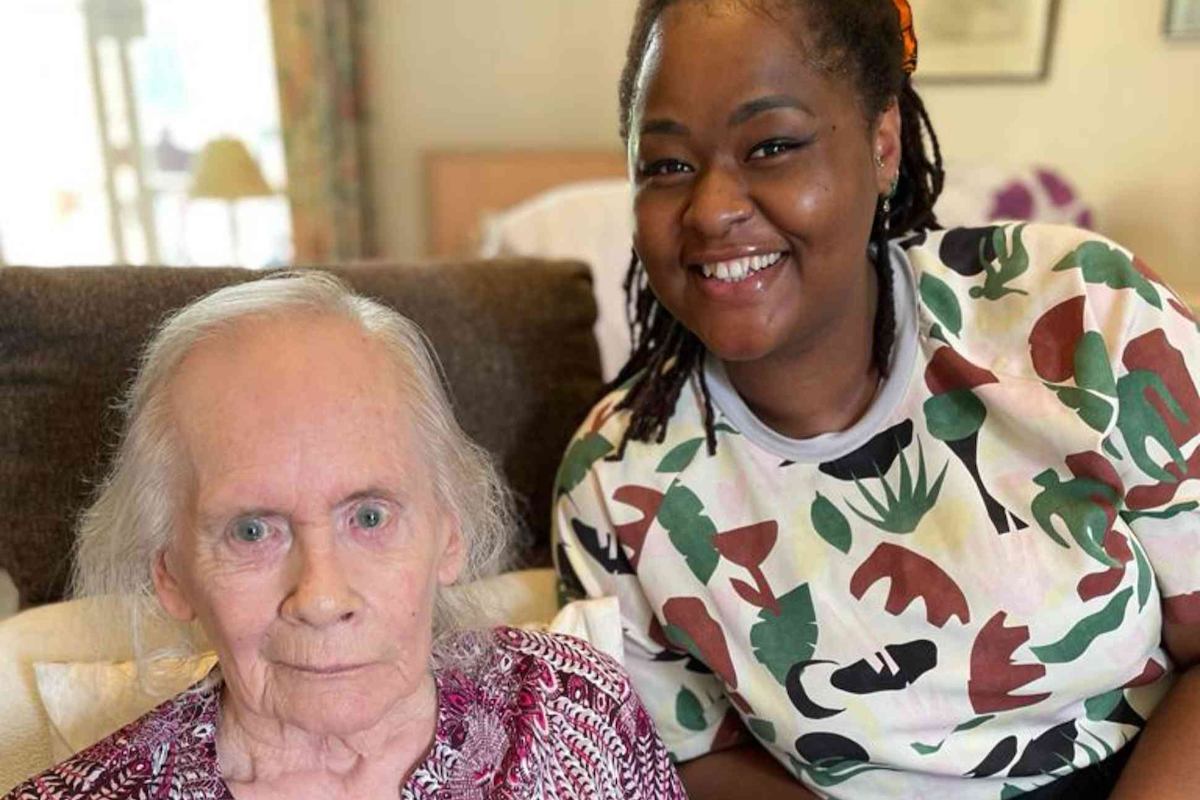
x=292, y=480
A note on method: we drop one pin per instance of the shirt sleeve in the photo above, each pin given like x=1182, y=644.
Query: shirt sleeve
x=684, y=698
x=1154, y=442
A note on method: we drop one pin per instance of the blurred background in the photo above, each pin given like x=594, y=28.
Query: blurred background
x=270, y=132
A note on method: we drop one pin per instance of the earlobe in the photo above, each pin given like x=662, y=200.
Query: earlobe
x=887, y=147
x=170, y=593
x=453, y=554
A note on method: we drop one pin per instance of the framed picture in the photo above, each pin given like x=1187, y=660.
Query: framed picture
x=984, y=40
x=1183, y=18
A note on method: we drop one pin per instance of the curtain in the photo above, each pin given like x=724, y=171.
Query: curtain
x=320, y=111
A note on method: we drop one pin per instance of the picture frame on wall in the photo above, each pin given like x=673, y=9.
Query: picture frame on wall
x=984, y=40
x=1183, y=19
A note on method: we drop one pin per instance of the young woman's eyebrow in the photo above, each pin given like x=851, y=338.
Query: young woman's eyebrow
x=752, y=108
x=663, y=126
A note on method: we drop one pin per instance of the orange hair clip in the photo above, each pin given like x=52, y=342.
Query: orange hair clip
x=909, y=65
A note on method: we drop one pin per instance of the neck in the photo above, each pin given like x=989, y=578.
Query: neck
x=261, y=756
x=824, y=386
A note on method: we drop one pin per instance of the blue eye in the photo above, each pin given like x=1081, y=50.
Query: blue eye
x=250, y=529
x=369, y=516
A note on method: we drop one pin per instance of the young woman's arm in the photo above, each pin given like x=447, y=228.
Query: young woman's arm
x=1164, y=765
x=743, y=771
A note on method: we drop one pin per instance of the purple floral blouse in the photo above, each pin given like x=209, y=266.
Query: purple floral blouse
x=543, y=716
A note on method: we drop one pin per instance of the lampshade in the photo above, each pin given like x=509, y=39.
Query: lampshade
x=226, y=170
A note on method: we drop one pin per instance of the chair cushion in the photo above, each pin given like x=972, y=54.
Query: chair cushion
x=515, y=340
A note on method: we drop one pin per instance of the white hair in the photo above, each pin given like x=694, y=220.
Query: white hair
x=135, y=511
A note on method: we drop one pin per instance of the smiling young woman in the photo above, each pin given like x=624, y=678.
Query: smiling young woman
x=834, y=409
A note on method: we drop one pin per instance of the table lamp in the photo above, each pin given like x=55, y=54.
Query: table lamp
x=225, y=170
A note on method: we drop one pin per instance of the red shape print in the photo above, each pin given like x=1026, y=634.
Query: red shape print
x=912, y=576
x=1155, y=495
x=948, y=371
x=690, y=615
x=1150, y=673
x=994, y=676
x=1054, y=338
x=748, y=547
x=1181, y=309
x=1153, y=353
x=1182, y=608
x=633, y=534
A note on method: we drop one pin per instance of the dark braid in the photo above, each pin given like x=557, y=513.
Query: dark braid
x=856, y=38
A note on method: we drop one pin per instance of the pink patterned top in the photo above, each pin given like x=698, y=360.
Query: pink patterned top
x=543, y=716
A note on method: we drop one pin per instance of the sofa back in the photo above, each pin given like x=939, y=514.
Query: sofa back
x=514, y=336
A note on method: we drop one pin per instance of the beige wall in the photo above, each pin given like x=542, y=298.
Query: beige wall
x=481, y=73
x=1118, y=115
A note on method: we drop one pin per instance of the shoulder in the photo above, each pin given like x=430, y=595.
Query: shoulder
x=175, y=739
x=992, y=291
x=599, y=439
x=564, y=659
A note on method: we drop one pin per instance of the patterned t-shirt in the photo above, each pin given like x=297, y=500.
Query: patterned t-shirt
x=960, y=596
x=542, y=717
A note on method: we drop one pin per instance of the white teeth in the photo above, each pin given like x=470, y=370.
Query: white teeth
x=739, y=268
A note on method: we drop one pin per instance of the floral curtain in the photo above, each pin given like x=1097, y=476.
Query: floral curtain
x=320, y=110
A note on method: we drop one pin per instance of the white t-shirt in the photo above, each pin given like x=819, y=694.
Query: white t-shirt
x=961, y=595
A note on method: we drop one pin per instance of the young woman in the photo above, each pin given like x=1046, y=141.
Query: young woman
x=891, y=511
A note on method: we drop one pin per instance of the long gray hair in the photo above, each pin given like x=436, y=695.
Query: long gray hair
x=135, y=511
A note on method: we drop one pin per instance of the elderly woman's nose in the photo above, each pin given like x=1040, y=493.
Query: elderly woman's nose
x=718, y=202
x=322, y=593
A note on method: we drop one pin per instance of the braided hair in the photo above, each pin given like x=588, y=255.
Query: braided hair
x=858, y=39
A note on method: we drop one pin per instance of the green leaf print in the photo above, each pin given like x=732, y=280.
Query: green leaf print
x=1145, y=574
x=579, y=459
x=954, y=415
x=1103, y=264
x=1094, y=410
x=1167, y=513
x=680, y=456
x=1012, y=265
x=902, y=510
x=1010, y=792
x=1072, y=502
x=782, y=641
x=681, y=638
x=762, y=728
x=688, y=710
x=1099, y=707
x=830, y=523
x=1093, y=370
x=690, y=530
x=927, y=749
x=940, y=299
x=1086, y=631
x=832, y=771
x=1138, y=420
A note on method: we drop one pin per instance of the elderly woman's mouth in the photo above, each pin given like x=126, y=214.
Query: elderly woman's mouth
x=326, y=670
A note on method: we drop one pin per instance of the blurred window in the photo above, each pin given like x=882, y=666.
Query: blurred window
x=107, y=105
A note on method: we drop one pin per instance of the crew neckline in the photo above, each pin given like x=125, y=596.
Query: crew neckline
x=890, y=394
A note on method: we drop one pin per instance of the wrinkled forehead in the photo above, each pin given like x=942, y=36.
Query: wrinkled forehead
x=266, y=395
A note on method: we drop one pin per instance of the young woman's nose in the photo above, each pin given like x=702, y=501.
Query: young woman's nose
x=322, y=593
x=719, y=201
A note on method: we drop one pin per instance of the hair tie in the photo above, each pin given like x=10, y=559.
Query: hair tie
x=909, y=64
